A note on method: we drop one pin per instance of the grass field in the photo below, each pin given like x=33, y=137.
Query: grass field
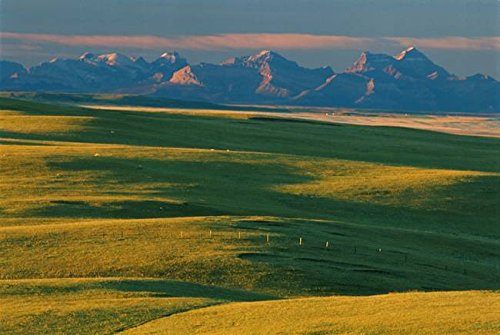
x=100, y=305
x=404, y=313
x=112, y=218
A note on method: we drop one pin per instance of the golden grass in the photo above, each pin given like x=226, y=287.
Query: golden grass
x=80, y=306
x=460, y=125
x=231, y=114
x=80, y=209
x=34, y=170
x=40, y=124
x=374, y=183
x=468, y=312
x=176, y=248
x=26, y=170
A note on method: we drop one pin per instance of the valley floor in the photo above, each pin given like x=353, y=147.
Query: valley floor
x=484, y=125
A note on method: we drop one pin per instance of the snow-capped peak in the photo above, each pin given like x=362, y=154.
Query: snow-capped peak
x=408, y=51
x=264, y=54
x=172, y=57
x=86, y=56
x=114, y=59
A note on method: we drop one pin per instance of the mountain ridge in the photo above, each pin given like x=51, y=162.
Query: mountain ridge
x=408, y=80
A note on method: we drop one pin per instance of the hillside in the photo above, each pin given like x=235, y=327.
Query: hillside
x=408, y=313
x=110, y=219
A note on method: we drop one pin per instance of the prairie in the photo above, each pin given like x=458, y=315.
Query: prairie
x=404, y=313
x=112, y=218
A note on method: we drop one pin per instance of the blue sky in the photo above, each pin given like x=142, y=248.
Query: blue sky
x=462, y=35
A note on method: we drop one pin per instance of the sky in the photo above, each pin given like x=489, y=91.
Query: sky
x=461, y=35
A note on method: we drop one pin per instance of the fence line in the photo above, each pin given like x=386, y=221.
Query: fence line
x=268, y=240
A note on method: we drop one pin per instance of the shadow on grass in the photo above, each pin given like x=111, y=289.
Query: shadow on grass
x=121, y=209
x=200, y=188
x=388, y=145
x=150, y=287
x=217, y=187
x=166, y=288
x=237, y=188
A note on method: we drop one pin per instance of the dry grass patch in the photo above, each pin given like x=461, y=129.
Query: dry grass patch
x=373, y=183
x=469, y=312
x=230, y=114
x=17, y=122
x=87, y=306
x=179, y=248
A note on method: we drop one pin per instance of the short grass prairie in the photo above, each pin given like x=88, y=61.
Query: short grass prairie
x=113, y=218
x=90, y=306
x=405, y=313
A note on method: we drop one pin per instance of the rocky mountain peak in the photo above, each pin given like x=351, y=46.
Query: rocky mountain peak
x=114, y=59
x=411, y=52
x=171, y=57
x=368, y=61
x=265, y=56
x=406, y=81
x=185, y=76
x=86, y=56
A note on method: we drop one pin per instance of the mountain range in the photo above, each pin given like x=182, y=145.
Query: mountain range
x=408, y=81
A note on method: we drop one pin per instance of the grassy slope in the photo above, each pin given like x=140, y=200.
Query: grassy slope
x=88, y=193
x=99, y=305
x=406, y=313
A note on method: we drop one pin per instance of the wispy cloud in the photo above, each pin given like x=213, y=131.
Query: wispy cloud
x=457, y=43
x=255, y=41
x=205, y=42
x=19, y=47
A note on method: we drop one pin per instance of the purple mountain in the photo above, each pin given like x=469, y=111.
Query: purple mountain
x=406, y=81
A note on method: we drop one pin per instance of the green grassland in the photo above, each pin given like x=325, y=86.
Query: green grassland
x=110, y=219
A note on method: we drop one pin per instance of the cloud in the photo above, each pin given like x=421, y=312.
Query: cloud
x=273, y=41
x=205, y=42
x=19, y=47
x=454, y=43
x=255, y=41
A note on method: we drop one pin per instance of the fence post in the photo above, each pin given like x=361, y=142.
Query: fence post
x=300, y=241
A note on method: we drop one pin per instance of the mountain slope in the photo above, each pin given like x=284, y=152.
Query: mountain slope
x=406, y=81
x=10, y=73
x=263, y=76
x=280, y=76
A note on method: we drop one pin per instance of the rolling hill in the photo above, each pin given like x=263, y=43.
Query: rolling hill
x=110, y=219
